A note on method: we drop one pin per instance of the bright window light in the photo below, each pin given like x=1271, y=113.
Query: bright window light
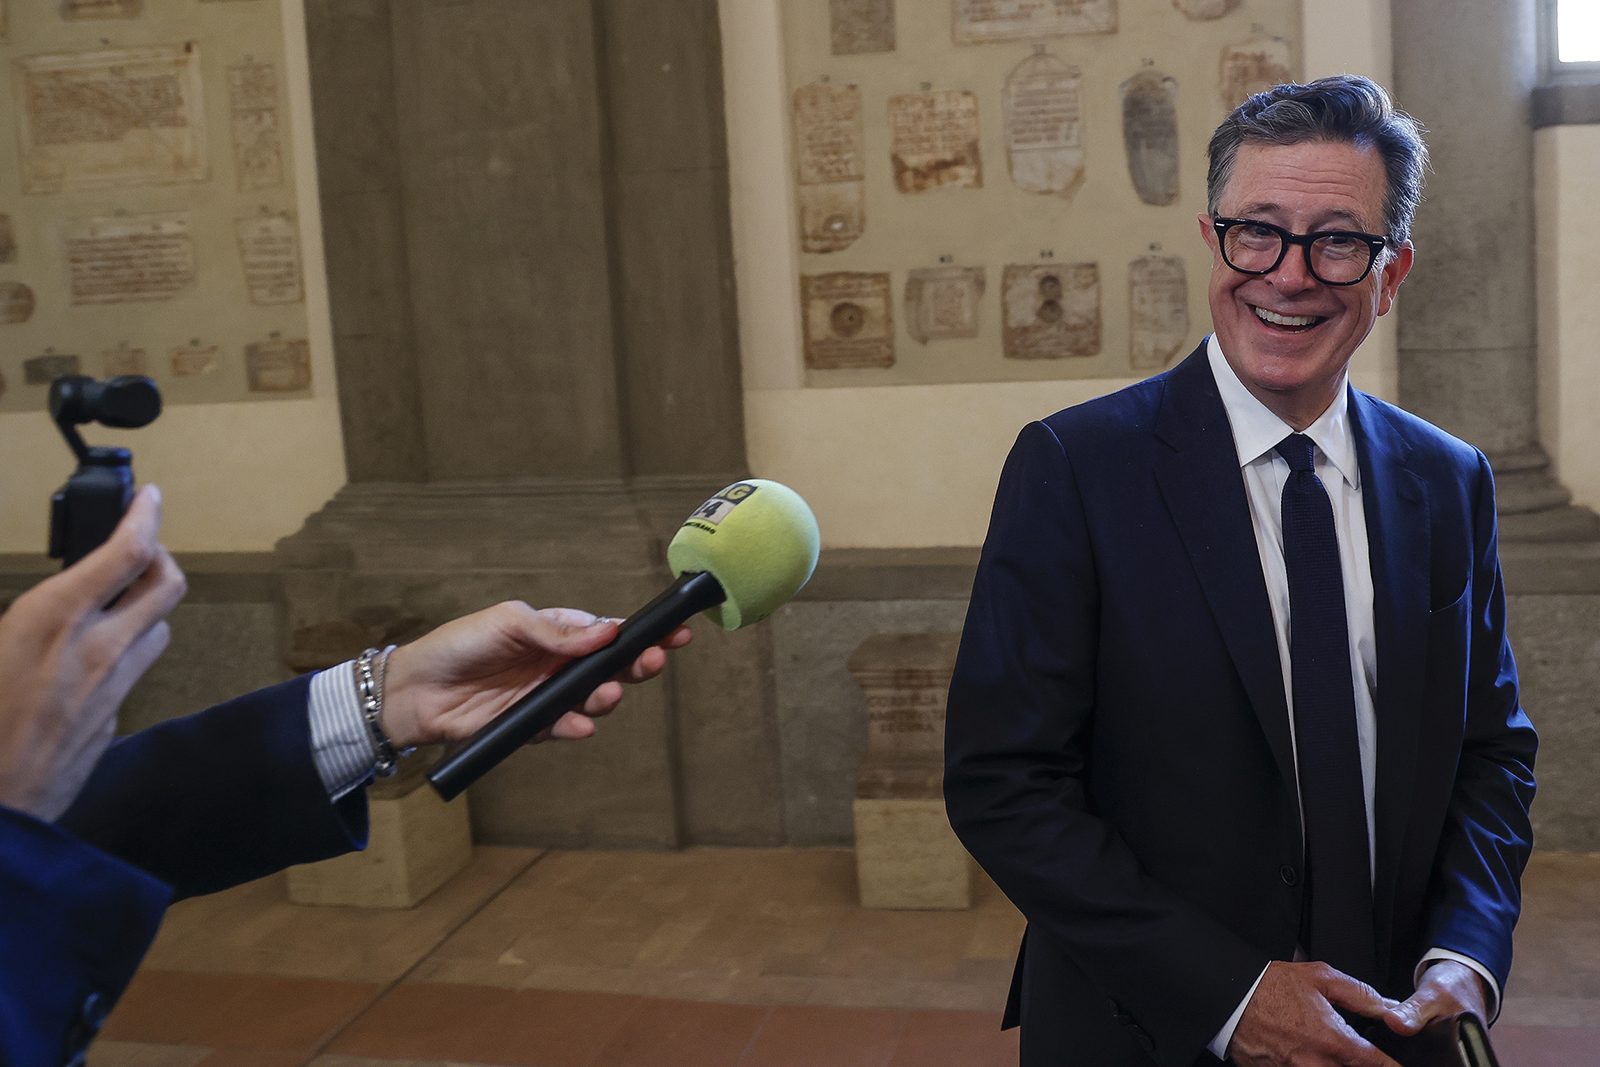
x=1578, y=31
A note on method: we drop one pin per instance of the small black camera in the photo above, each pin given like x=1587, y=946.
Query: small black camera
x=85, y=510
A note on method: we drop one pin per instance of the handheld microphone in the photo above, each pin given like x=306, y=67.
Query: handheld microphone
x=738, y=558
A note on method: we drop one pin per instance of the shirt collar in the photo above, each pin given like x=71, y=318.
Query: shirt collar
x=1257, y=431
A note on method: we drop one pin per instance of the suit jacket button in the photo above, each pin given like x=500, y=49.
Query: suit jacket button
x=1287, y=873
x=1144, y=1040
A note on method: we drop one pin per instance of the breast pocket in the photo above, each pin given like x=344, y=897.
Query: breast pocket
x=1450, y=644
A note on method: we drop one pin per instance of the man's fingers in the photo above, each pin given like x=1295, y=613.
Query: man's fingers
x=149, y=599
x=131, y=667
x=1351, y=994
x=566, y=631
x=108, y=570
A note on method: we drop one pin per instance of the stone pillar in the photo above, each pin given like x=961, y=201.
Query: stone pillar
x=531, y=278
x=907, y=856
x=1468, y=345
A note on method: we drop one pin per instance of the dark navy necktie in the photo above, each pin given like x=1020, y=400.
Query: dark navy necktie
x=1336, y=925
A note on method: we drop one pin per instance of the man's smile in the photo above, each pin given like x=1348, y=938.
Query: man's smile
x=1279, y=323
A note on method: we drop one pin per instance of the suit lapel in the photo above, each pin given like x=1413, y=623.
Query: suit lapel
x=1204, y=491
x=1396, y=504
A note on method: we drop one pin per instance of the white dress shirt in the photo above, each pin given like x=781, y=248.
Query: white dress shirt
x=1256, y=434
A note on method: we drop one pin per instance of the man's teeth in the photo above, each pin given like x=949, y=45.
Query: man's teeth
x=1284, y=320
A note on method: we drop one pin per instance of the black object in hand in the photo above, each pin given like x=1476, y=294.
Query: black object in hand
x=85, y=510
x=1459, y=1040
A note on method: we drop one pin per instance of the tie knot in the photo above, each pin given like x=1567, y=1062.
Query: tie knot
x=1296, y=451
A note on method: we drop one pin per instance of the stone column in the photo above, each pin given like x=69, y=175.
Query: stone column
x=531, y=280
x=907, y=856
x=1468, y=357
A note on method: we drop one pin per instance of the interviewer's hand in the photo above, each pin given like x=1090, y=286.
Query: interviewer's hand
x=1291, y=1021
x=68, y=656
x=445, y=685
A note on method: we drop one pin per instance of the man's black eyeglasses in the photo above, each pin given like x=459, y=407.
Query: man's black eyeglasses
x=1334, y=257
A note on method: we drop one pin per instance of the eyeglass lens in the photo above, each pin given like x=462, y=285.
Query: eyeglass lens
x=1335, y=259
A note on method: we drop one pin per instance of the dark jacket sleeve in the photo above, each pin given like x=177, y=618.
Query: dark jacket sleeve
x=74, y=923
x=1019, y=741
x=1475, y=895
x=218, y=798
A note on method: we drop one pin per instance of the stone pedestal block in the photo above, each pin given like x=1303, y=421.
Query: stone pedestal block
x=908, y=857
x=906, y=854
x=416, y=843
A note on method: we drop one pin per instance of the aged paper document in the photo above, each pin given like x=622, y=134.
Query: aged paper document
x=1150, y=135
x=1008, y=20
x=1202, y=10
x=1044, y=125
x=130, y=116
x=861, y=26
x=847, y=320
x=80, y=10
x=269, y=249
x=122, y=360
x=830, y=160
x=191, y=361
x=278, y=366
x=253, y=106
x=127, y=259
x=16, y=303
x=935, y=141
x=1051, y=311
x=1254, y=66
x=943, y=302
x=1158, y=310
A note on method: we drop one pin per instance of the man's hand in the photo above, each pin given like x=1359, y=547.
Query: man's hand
x=1291, y=1021
x=447, y=684
x=1447, y=987
x=68, y=656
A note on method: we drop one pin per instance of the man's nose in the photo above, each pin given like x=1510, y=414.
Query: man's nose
x=1294, y=273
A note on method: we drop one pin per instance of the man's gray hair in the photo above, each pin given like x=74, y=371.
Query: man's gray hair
x=1344, y=108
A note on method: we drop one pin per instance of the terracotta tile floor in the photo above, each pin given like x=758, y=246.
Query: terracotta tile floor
x=710, y=957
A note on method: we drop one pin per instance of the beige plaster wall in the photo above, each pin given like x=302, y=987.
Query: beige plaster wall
x=235, y=476
x=909, y=466
x=1567, y=184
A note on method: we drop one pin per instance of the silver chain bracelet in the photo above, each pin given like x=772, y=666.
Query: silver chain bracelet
x=369, y=687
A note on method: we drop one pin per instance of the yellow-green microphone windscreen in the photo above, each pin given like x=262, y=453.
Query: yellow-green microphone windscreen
x=757, y=538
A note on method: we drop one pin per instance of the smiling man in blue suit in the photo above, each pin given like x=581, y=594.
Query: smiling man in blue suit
x=1235, y=720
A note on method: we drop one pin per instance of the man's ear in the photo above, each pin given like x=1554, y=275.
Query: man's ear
x=1394, y=272
x=1208, y=233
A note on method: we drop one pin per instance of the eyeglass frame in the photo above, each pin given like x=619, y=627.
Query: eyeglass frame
x=1376, y=242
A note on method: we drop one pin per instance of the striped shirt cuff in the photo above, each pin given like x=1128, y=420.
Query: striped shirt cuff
x=340, y=743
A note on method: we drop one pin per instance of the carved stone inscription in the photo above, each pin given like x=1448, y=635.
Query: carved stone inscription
x=943, y=302
x=1051, y=311
x=1009, y=20
x=1252, y=67
x=128, y=259
x=862, y=26
x=935, y=141
x=42, y=370
x=847, y=320
x=1044, y=125
x=119, y=117
x=253, y=101
x=8, y=241
x=1205, y=10
x=831, y=160
x=269, y=248
x=1150, y=135
x=278, y=366
x=1158, y=310
x=80, y=10
x=16, y=303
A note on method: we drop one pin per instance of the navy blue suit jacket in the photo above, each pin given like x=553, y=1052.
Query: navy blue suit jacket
x=189, y=806
x=1118, y=750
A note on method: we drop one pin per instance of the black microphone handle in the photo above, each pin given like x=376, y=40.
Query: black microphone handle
x=466, y=762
